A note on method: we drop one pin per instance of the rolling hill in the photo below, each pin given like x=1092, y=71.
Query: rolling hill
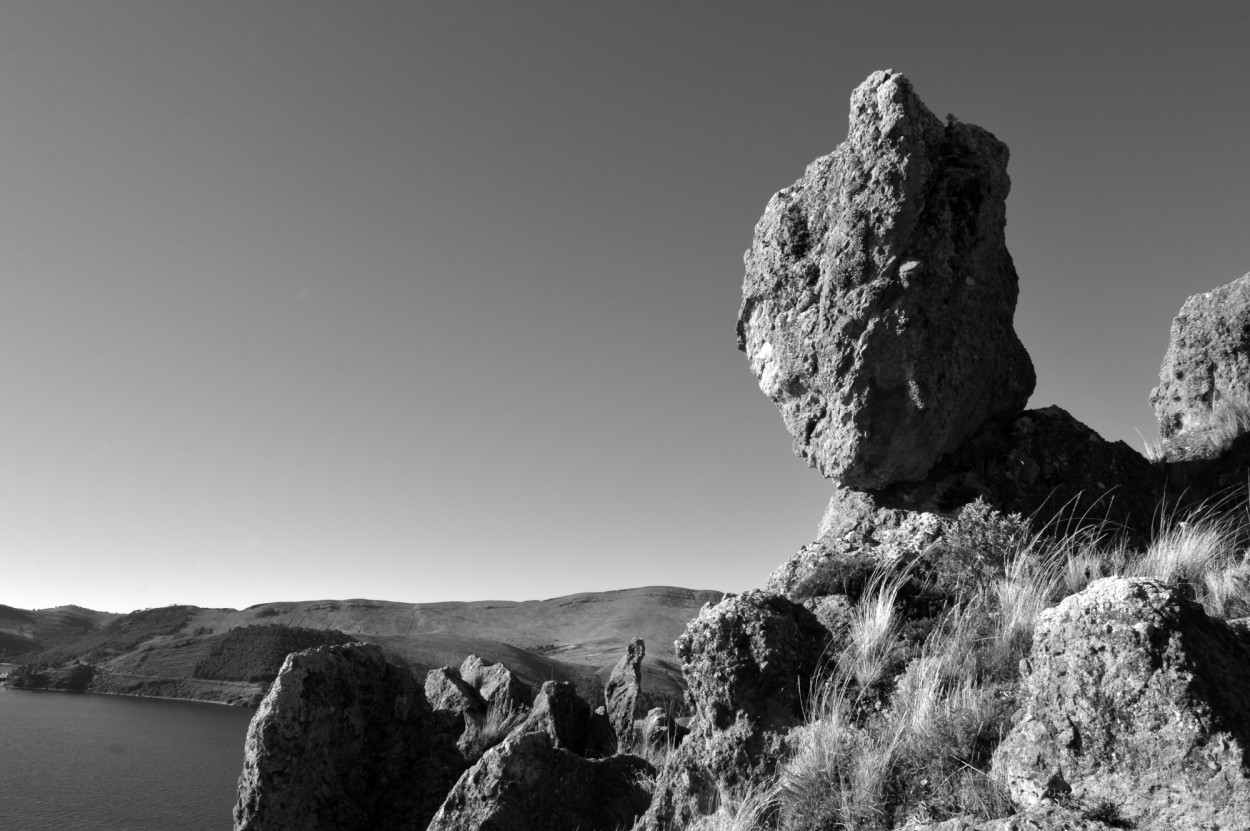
x=228, y=654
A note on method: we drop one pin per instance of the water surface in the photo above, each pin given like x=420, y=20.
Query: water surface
x=109, y=763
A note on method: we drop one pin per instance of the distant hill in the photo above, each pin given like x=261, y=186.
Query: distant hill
x=228, y=654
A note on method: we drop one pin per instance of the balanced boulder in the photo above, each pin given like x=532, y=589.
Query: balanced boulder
x=879, y=294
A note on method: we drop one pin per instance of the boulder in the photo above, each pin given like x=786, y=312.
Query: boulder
x=621, y=694
x=562, y=714
x=879, y=294
x=446, y=690
x=343, y=740
x=1208, y=360
x=748, y=663
x=1134, y=698
x=529, y=784
x=496, y=684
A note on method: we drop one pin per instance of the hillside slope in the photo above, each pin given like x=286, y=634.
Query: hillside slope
x=574, y=638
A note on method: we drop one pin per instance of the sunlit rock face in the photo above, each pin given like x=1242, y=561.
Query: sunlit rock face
x=1208, y=360
x=343, y=740
x=1133, y=696
x=879, y=294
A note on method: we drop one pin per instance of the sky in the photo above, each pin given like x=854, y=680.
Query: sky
x=435, y=301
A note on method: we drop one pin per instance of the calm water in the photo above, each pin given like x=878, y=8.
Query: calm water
x=95, y=762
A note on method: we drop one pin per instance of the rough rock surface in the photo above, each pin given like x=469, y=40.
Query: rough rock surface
x=1042, y=464
x=496, y=684
x=621, y=694
x=879, y=294
x=528, y=784
x=563, y=715
x=1047, y=817
x=446, y=690
x=1136, y=698
x=1045, y=465
x=343, y=740
x=748, y=663
x=1208, y=358
x=659, y=732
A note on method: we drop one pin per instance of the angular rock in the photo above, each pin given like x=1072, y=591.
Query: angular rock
x=1208, y=359
x=1135, y=698
x=446, y=690
x=621, y=694
x=879, y=294
x=562, y=714
x=343, y=740
x=748, y=663
x=528, y=784
x=661, y=733
x=496, y=684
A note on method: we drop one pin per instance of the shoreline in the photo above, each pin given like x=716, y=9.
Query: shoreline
x=237, y=706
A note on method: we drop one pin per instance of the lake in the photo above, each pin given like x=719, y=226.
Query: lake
x=93, y=762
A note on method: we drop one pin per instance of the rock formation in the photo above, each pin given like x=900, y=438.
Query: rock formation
x=528, y=784
x=748, y=662
x=496, y=684
x=1135, y=697
x=446, y=690
x=343, y=740
x=878, y=300
x=1208, y=359
x=563, y=715
x=621, y=694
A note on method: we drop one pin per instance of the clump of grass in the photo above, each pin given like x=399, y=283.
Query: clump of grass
x=1230, y=419
x=752, y=808
x=484, y=730
x=1203, y=554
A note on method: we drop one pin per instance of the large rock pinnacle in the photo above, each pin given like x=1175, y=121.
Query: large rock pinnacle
x=879, y=294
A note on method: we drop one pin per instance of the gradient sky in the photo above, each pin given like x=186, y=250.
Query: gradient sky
x=436, y=301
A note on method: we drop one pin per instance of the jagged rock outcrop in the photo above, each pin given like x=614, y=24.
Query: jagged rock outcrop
x=748, y=663
x=1134, y=697
x=621, y=694
x=879, y=294
x=528, y=784
x=1208, y=359
x=343, y=740
x=564, y=716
